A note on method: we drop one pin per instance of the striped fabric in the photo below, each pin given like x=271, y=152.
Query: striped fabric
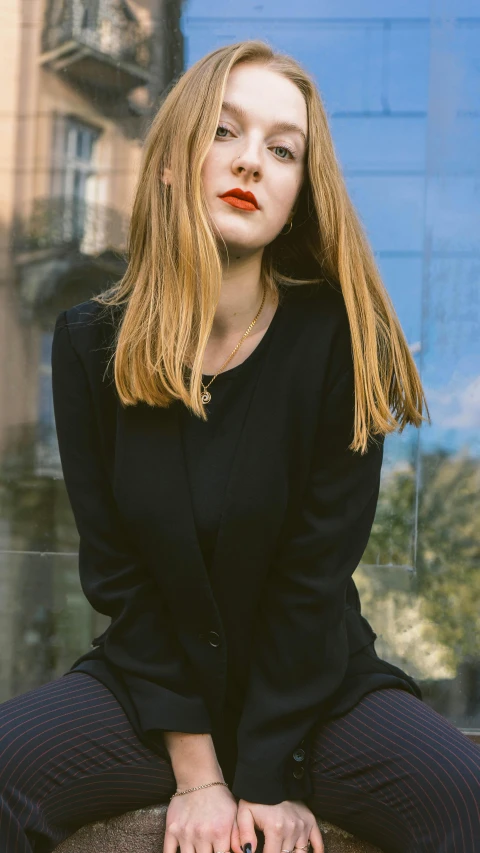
x=395, y=772
x=392, y=770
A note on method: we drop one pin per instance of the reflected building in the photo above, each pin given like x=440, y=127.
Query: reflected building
x=82, y=80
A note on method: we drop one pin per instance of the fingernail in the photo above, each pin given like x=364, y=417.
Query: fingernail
x=248, y=848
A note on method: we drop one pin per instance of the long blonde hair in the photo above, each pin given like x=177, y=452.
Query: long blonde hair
x=172, y=284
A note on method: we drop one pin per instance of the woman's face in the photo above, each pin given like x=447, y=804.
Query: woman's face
x=260, y=148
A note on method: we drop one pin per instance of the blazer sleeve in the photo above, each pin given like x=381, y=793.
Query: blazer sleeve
x=300, y=649
x=140, y=644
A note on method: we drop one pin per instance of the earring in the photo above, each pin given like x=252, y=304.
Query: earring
x=290, y=224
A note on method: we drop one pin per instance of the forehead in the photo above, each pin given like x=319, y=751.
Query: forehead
x=266, y=94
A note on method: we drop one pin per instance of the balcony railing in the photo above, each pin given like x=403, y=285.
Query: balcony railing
x=109, y=51
x=71, y=222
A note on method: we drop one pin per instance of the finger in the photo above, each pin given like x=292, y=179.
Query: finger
x=171, y=843
x=235, y=841
x=316, y=840
x=290, y=841
x=273, y=831
x=220, y=844
x=246, y=829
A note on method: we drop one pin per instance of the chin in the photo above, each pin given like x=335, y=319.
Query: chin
x=240, y=244
x=249, y=239
x=240, y=250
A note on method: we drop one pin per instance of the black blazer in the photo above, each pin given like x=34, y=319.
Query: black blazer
x=297, y=516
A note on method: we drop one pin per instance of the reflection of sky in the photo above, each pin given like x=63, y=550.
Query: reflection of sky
x=403, y=99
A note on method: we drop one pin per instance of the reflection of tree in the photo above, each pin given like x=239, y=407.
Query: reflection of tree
x=448, y=548
x=49, y=623
x=391, y=538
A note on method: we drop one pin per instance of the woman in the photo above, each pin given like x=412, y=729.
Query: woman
x=224, y=478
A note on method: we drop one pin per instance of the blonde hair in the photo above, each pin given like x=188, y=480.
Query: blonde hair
x=173, y=280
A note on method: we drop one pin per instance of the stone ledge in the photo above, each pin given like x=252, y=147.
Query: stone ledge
x=143, y=831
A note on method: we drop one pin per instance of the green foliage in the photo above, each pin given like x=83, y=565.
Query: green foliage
x=437, y=535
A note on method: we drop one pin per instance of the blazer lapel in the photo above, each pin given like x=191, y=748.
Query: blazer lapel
x=152, y=489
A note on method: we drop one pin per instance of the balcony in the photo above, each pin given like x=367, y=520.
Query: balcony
x=64, y=248
x=103, y=50
x=71, y=223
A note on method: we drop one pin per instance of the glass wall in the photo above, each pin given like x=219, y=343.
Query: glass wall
x=401, y=85
x=82, y=80
x=402, y=91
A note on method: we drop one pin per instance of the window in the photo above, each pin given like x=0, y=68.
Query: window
x=78, y=173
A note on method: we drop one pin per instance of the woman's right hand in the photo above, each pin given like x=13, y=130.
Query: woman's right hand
x=200, y=821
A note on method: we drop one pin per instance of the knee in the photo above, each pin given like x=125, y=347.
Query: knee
x=460, y=789
x=11, y=756
x=462, y=773
x=463, y=790
x=17, y=746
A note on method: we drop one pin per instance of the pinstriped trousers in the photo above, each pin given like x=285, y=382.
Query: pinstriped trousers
x=392, y=770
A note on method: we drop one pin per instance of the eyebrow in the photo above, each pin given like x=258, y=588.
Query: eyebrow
x=278, y=125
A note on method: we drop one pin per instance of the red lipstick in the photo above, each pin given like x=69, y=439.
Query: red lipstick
x=240, y=198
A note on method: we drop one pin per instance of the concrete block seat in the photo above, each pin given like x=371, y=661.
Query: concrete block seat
x=143, y=831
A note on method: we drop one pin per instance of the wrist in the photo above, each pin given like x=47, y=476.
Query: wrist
x=194, y=788
x=189, y=778
x=193, y=757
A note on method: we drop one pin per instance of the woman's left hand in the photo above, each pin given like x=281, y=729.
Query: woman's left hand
x=285, y=825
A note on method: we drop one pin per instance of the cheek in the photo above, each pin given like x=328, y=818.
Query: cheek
x=210, y=170
x=282, y=197
x=206, y=174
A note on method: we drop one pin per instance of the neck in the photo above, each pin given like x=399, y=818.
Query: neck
x=240, y=298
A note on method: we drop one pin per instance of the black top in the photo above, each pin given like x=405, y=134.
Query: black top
x=209, y=446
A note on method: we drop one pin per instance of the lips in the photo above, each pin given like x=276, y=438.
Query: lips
x=241, y=199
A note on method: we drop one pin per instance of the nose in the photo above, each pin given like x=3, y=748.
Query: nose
x=249, y=162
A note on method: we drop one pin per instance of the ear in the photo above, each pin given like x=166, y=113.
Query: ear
x=167, y=175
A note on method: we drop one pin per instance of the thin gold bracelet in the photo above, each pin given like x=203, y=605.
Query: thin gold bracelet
x=197, y=788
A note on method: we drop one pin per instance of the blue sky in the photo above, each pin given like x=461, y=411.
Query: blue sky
x=403, y=99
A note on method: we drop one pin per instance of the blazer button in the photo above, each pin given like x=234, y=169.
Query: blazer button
x=299, y=754
x=298, y=772
x=213, y=638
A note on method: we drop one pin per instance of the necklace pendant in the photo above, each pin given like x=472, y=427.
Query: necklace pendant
x=206, y=397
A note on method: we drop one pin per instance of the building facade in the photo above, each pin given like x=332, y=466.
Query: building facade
x=82, y=79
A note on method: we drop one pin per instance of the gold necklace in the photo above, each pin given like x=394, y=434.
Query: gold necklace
x=206, y=396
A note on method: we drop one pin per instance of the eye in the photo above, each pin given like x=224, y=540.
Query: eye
x=287, y=149
x=289, y=153
x=222, y=127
